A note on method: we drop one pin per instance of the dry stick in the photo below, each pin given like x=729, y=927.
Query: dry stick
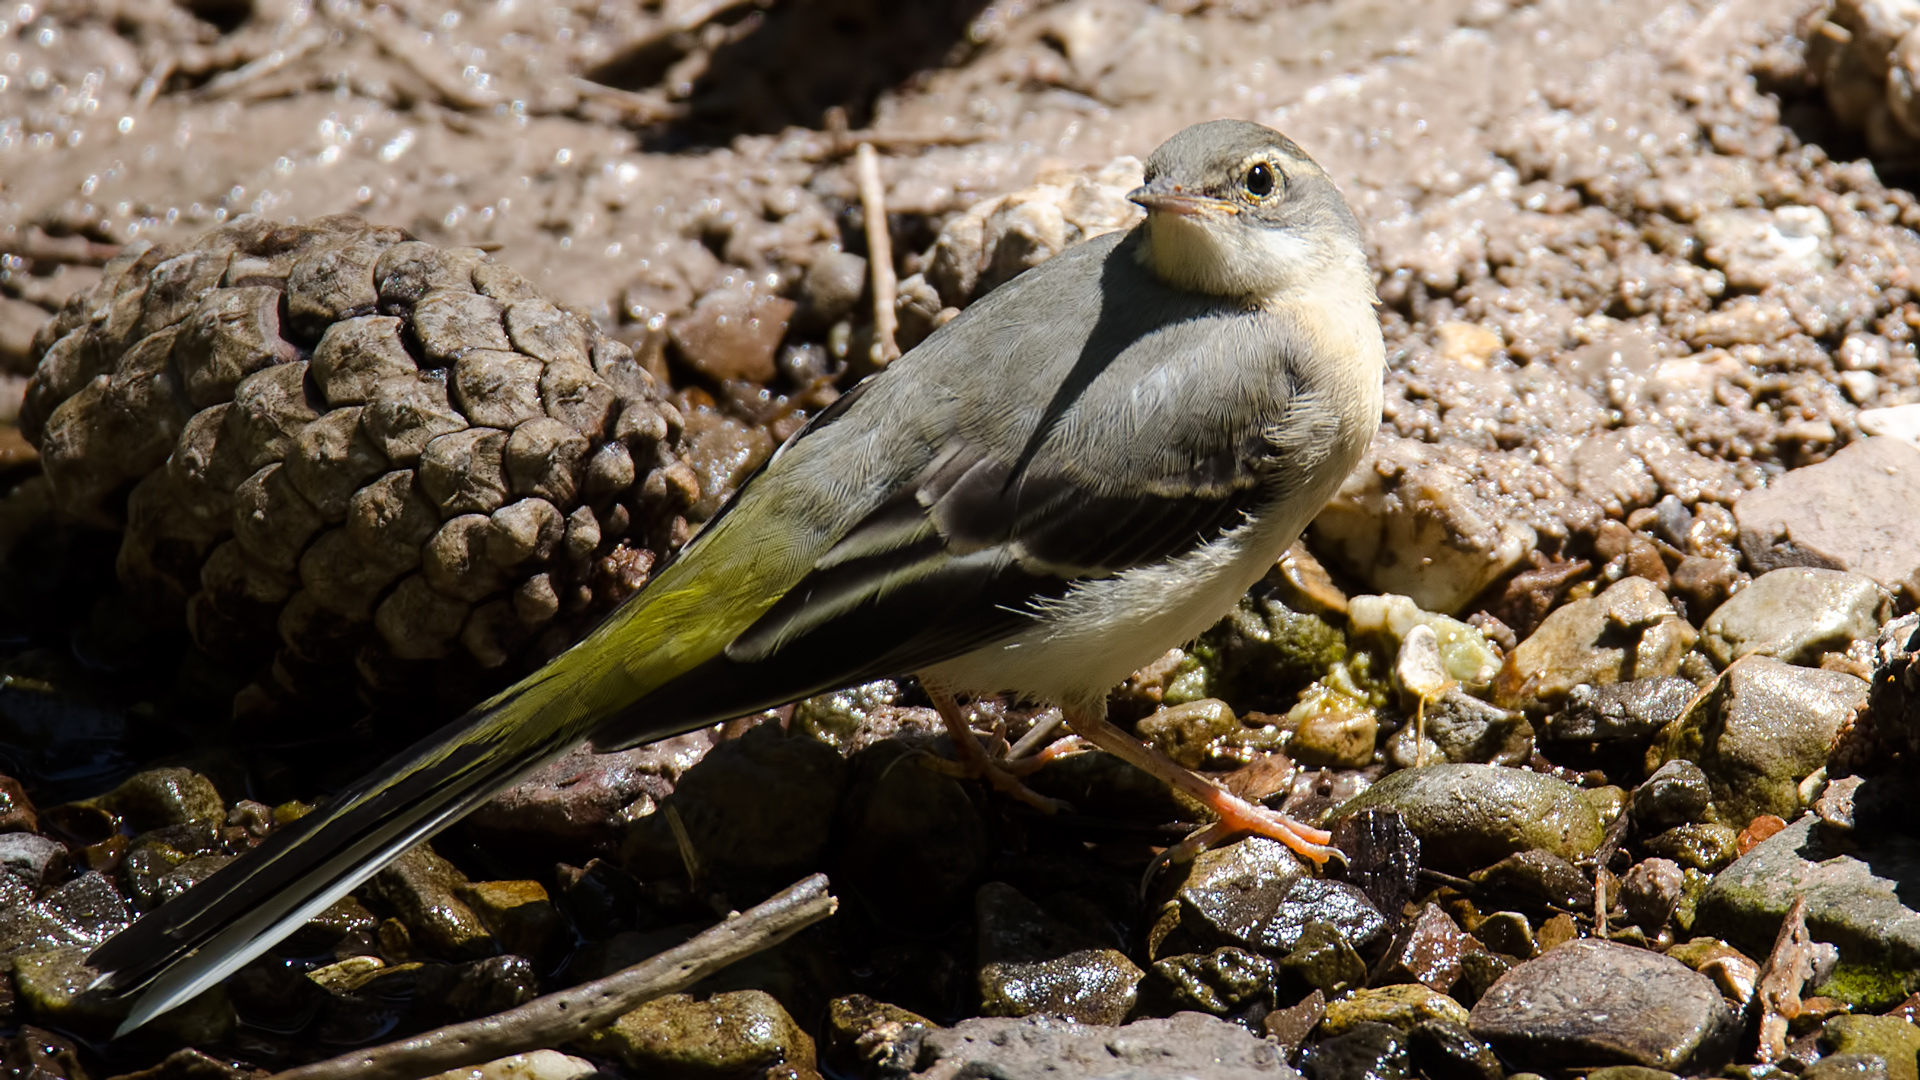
x=873, y=198
x=1788, y=968
x=570, y=1014
x=35, y=245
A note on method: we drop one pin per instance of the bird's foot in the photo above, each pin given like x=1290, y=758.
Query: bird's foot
x=996, y=770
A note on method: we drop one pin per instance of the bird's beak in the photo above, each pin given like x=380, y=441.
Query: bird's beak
x=1163, y=198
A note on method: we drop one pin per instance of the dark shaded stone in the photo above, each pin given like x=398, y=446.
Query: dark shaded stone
x=17, y=813
x=36, y=1054
x=1032, y=963
x=1365, y=1052
x=1427, y=951
x=912, y=844
x=1383, y=857
x=1676, y=794
x=1478, y=972
x=758, y=809
x=1540, y=878
x=1447, y=1051
x=1707, y=848
x=1220, y=982
x=600, y=897
x=1592, y=1003
x=33, y=859
x=733, y=1034
x=1620, y=712
x=1324, y=959
x=449, y=993
x=872, y=1038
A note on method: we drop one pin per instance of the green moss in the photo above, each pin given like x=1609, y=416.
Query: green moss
x=1869, y=988
x=1262, y=654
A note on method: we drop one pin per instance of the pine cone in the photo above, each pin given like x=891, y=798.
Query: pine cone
x=351, y=454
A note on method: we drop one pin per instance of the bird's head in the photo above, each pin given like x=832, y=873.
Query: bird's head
x=1238, y=210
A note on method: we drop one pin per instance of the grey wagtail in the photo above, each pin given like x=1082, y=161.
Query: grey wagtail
x=1087, y=467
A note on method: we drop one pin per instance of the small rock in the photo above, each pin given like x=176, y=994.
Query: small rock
x=1444, y=1050
x=1853, y=895
x=1676, y=794
x=31, y=858
x=423, y=890
x=733, y=331
x=1848, y=1067
x=1539, y=877
x=725, y=1035
x=1760, y=730
x=1465, y=729
x=1757, y=247
x=1324, y=959
x=161, y=797
x=1651, y=892
x=756, y=809
x=1796, y=614
x=1704, y=847
x=519, y=913
x=1506, y=932
x=1566, y=1009
x=1631, y=1072
x=1340, y=739
x=1894, y=1040
x=38, y=1054
x=1290, y=1026
x=1364, y=1052
x=1470, y=816
x=1479, y=971
x=871, y=1038
x=1853, y=511
x=582, y=800
x=1187, y=1044
x=832, y=285
x=1033, y=964
x=1630, y=631
x=1206, y=734
x=85, y=911
x=451, y=993
x=17, y=813
x=722, y=452
x=914, y=845
x=1620, y=712
x=1465, y=653
x=1429, y=951
x=1410, y=521
x=1405, y=1007
x=1219, y=982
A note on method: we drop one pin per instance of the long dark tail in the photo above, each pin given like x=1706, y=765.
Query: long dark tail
x=246, y=907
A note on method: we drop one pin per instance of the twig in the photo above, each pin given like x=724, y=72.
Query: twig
x=569, y=1014
x=254, y=70
x=150, y=86
x=1788, y=968
x=34, y=245
x=873, y=198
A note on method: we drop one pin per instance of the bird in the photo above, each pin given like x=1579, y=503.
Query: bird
x=1088, y=466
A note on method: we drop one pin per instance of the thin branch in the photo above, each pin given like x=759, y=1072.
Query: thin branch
x=570, y=1014
x=873, y=199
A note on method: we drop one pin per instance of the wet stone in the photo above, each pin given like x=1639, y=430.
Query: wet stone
x=1219, y=982
x=1894, y=1040
x=867, y=1037
x=1676, y=794
x=450, y=993
x=159, y=797
x=1506, y=932
x=1367, y=1051
x=1853, y=511
x=1325, y=960
x=914, y=844
x=732, y=332
x=1186, y=1044
x=1564, y=1010
x=1848, y=1067
x=1404, y=1006
x=1445, y=1050
x=1479, y=971
x=32, y=859
x=1760, y=730
x=17, y=812
x=583, y=801
x=85, y=911
x=1465, y=729
x=1034, y=964
x=1538, y=877
x=1470, y=816
x=1625, y=711
x=1703, y=847
x=1290, y=1026
x=423, y=889
x=725, y=1035
x=758, y=809
x=1628, y=632
x=1383, y=856
x=1651, y=892
x=1796, y=614
x=520, y=915
x=1429, y=951
x=1853, y=889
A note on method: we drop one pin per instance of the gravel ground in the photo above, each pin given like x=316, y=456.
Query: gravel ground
x=1599, y=667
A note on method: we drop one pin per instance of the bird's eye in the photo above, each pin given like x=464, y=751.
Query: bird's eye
x=1260, y=180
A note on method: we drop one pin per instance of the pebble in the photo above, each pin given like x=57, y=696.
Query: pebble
x=1762, y=728
x=423, y=890
x=914, y=844
x=1848, y=1067
x=733, y=331
x=582, y=800
x=1255, y=895
x=1630, y=631
x=1033, y=964
x=1462, y=728
x=1848, y=903
x=1796, y=614
x=1592, y=1003
x=1650, y=891
x=727, y=1034
x=1471, y=816
x=1894, y=1040
x=1367, y=1051
x=1186, y=1044
x=867, y=1037
x=1405, y=1006
x=1219, y=982
x=1539, y=877
x=1446, y=1050
x=1701, y=846
x=1853, y=511
x=1676, y=794
x=1429, y=950
x=1620, y=712
x=1324, y=959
